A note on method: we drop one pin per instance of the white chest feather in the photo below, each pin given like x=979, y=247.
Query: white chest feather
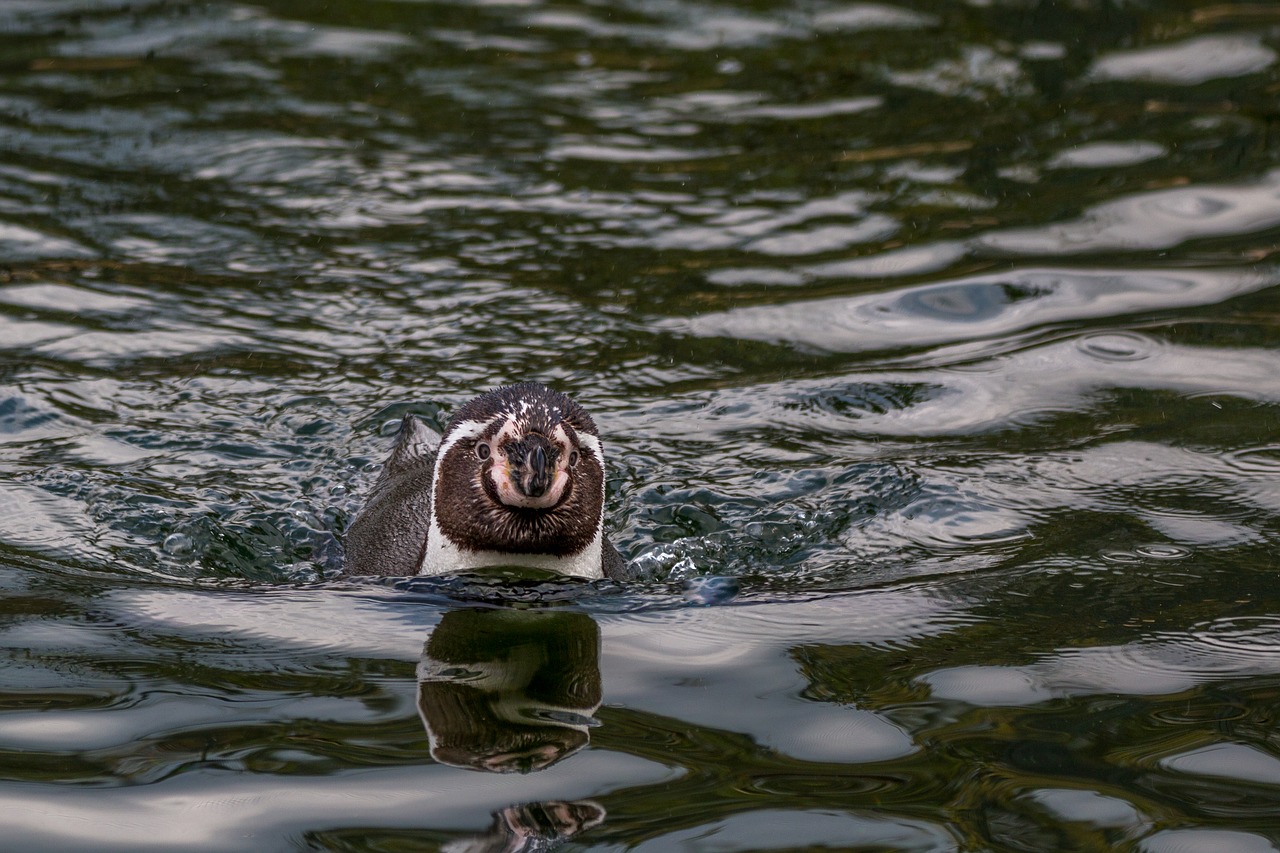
x=442, y=557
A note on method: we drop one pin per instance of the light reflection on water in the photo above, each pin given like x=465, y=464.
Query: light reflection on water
x=933, y=346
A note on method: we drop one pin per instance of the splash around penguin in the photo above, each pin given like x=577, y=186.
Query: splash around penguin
x=518, y=479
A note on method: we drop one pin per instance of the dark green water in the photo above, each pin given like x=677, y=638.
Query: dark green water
x=947, y=332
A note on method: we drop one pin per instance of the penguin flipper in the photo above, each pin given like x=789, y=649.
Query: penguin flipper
x=389, y=534
x=612, y=563
x=415, y=442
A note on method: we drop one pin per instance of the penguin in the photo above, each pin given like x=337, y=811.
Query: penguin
x=518, y=479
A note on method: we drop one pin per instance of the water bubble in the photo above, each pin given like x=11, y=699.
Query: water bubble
x=178, y=545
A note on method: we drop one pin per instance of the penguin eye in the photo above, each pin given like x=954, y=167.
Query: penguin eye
x=482, y=450
x=573, y=459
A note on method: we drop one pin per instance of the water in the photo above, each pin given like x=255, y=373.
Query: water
x=934, y=350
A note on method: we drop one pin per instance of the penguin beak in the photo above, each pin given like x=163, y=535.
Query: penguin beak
x=530, y=477
x=536, y=477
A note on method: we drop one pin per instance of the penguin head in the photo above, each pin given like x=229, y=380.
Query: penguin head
x=520, y=470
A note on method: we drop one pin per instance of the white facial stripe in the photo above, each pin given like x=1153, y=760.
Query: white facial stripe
x=560, y=436
x=465, y=431
x=593, y=444
x=468, y=430
x=590, y=442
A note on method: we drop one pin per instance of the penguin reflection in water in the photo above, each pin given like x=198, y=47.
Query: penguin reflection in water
x=509, y=691
x=513, y=691
x=518, y=480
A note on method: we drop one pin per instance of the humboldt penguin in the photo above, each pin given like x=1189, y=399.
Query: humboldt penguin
x=517, y=480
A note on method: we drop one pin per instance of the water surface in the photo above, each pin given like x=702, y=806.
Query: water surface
x=934, y=346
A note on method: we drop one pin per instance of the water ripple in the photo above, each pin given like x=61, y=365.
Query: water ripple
x=973, y=307
x=1160, y=219
x=1014, y=390
x=1166, y=664
x=1242, y=637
